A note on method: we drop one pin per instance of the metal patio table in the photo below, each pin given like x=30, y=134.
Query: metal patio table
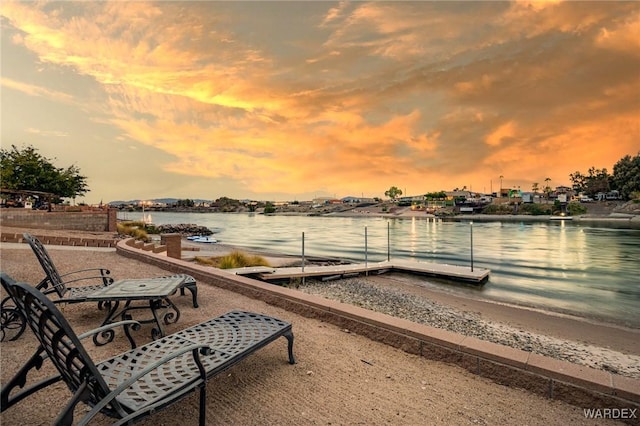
x=155, y=291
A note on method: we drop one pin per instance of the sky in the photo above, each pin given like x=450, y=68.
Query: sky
x=296, y=100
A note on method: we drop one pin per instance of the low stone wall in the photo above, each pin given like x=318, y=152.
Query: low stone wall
x=9, y=237
x=95, y=221
x=572, y=383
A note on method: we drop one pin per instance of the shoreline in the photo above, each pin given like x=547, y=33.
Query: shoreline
x=614, y=220
x=607, y=218
x=430, y=284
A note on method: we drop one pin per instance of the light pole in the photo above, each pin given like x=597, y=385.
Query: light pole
x=471, y=234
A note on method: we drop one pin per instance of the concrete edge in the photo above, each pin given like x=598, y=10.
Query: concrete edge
x=579, y=385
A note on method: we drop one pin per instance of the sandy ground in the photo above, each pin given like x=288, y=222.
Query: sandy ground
x=340, y=377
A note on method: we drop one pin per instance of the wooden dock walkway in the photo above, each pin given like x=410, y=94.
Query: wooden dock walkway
x=453, y=272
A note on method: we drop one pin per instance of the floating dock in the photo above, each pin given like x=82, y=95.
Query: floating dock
x=476, y=276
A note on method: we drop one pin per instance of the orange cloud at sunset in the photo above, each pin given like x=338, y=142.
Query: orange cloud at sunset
x=295, y=100
x=506, y=130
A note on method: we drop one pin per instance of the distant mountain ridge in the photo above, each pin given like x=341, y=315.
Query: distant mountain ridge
x=158, y=200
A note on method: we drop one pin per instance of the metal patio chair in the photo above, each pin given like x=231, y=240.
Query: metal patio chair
x=71, y=294
x=137, y=383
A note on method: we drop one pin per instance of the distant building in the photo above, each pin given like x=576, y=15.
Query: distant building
x=350, y=200
x=452, y=195
x=320, y=201
x=357, y=200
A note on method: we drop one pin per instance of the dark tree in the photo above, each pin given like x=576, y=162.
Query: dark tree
x=626, y=175
x=579, y=181
x=185, y=203
x=393, y=192
x=269, y=208
x=597, y=181
x=26, y=169
x=431, y=196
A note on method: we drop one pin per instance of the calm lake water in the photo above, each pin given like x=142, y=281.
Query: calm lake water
x=557, y=266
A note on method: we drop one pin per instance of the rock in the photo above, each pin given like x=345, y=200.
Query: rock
x=185, y=229
x=357, y=291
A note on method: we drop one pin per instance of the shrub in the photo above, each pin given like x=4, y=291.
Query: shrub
x=575, y=209
x=140, y=234
x=498, y=209
x=269, y=208
x=133, y=229
x=151, y=229
x=238, y=259
x=206, y=261
x=535, y=209
x=235, y=259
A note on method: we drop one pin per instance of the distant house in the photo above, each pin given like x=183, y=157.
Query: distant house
x=320, y=201
x=412, y=198
x=351, y=200
x=152, y=204
x=563, y=194
x=452, y=195
x=358, y=200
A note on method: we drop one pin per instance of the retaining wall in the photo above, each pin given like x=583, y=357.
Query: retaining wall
x=10, y=237
x=97, y=221
x=572, y=383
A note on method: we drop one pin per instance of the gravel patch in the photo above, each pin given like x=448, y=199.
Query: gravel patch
x=359, y=292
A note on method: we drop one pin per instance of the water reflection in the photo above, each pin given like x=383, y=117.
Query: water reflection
x=558, y=266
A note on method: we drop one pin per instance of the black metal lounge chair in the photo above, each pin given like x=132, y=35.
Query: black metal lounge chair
x=141, y=381
x=12, y=323
x=59, y=283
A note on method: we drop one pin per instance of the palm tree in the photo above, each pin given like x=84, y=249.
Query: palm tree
x=547, y=188
x=535, y=187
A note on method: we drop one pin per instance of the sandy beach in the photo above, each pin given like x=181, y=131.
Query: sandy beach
x=340, y=377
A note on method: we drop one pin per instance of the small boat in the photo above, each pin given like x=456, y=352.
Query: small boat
x=202, y=239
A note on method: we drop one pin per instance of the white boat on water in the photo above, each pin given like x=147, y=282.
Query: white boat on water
x=202, y=239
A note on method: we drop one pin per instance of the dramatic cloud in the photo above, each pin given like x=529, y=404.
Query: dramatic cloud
x=297, y=99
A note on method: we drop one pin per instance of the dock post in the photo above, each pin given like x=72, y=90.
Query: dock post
x=303, y=258
x=471, y=233
x=388, y=242
x=366, y=268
